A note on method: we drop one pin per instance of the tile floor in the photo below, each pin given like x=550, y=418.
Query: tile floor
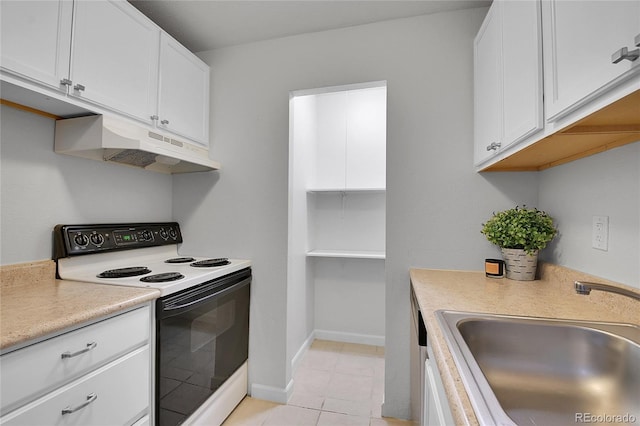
x=335, y=384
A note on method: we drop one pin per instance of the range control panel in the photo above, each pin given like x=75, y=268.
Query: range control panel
x=72, y=240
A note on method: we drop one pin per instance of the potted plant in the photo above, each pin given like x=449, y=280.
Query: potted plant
x=520, y=232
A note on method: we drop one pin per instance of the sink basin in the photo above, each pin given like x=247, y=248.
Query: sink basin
x=539, y=371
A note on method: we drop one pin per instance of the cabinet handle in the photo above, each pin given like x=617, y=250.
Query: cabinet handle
x=164, y=122
x=79, y=87
x=66, y=82
x=493, y=146
x=624, y=53
x=90, y=398
x=68, y=354
x=154, y=117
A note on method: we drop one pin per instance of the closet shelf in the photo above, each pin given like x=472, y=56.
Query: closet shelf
x=351, y=254
x=349, y=190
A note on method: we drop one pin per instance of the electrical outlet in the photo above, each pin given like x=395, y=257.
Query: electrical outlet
x=600, y=233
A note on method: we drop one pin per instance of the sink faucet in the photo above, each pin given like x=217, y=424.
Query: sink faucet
x=585, y=287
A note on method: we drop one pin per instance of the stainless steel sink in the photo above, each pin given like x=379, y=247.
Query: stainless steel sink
x=538, y=371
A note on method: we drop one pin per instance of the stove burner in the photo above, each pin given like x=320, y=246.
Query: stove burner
x=124, y=272
x=211, y=262
x=179, y=260
x=161, y=278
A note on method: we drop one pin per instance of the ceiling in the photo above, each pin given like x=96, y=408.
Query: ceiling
x=203, y=25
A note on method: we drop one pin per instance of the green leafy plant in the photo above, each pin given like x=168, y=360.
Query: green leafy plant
x=520, y=228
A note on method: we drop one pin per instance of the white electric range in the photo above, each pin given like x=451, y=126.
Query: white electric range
x=201, y=317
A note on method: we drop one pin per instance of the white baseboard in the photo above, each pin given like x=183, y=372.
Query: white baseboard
x=219, y=405
x=341, y=336
x=272, y=393
x=295, y=362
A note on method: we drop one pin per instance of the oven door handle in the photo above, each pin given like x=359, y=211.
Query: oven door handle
x=169, y=311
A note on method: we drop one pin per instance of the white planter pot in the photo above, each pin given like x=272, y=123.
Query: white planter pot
x=520, y=265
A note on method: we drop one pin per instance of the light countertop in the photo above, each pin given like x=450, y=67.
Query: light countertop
x=550, y=296
x=33, y=304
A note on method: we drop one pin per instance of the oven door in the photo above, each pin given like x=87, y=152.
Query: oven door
x=202, y=339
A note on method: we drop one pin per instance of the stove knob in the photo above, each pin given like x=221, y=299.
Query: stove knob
x=96, y=239
x=173, y=234
x=81, y=240
x=163, y=234
x=146, y=235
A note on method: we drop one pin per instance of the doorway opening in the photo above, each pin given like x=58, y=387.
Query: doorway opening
x=337, y=210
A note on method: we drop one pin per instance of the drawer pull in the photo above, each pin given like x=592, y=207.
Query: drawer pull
x=68, y=354
x=90, y=398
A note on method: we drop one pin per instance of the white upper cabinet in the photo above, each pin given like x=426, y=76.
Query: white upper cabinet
x=350, y=140
x=588, y=55
x=580, y=39
x=36, y=40
x=329, y=164
x=488, y=87
x=103, y=56
x=115, y=58
x=508, y=77
x=183, y=104
x=522, y=70
x=366, y=134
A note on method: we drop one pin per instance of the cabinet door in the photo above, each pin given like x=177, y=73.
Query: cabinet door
x=183, y=106
x=433, y=405
x=488, y=86
x=330, y=141
x=522, y=70
x=579, y=39
x=35, y=40
x=115, y=57
x=366, y=138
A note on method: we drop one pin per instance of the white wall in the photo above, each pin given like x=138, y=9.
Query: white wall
x=436, y=203
x=349, y=299
x=300, y=288
x=41, y=189
x=607, y=184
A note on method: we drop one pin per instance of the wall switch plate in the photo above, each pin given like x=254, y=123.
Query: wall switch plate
x=600, y=233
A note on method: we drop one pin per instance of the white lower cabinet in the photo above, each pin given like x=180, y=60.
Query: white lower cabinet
x=115, y=394
x=99, y=374
x=436, y=404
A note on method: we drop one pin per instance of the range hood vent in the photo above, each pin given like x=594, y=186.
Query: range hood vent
x=108, y=138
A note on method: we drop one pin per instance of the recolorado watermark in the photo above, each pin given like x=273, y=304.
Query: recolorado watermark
x=605, y=418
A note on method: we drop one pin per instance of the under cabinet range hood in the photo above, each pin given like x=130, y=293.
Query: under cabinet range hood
x=108, y=138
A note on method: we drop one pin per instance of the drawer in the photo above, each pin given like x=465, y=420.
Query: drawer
x=115, y=394
x=31, y=372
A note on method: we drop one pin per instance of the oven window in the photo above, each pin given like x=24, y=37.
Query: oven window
x=198, y=350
